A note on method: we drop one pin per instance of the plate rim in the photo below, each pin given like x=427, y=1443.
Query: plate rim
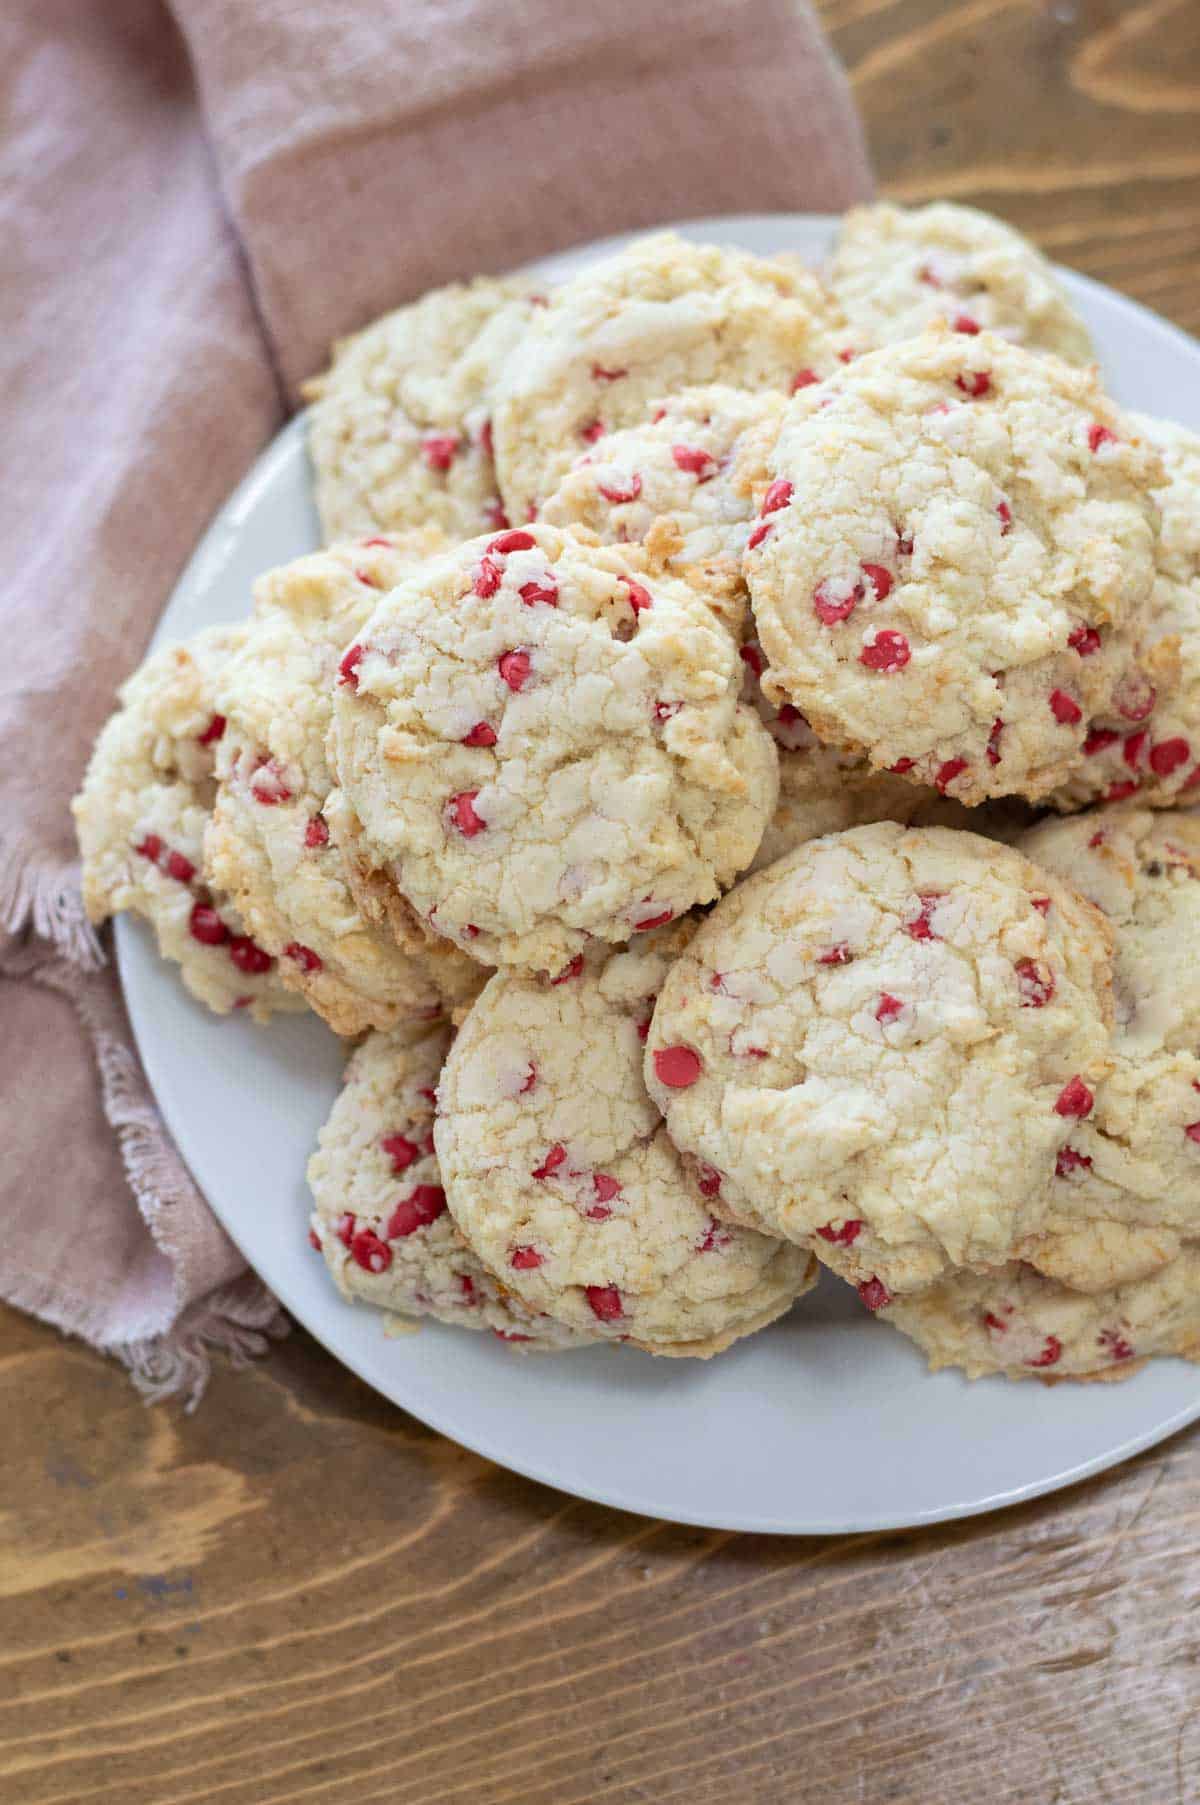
x=202, y=570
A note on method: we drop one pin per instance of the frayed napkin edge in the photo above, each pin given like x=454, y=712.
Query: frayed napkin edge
x=240, y=1319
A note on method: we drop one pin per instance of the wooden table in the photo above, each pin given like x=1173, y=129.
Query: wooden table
x=298, y=1594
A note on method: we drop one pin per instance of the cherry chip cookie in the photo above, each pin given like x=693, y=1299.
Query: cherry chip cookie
x=660, y=316
x=542, y=742
x=561, y=1176
x=1017, y=1322
x=1151, y=747
x=878, y=1045
x=381, y=1219
x=683, y=483
x=141, y=816
x=400, y=430
x=952, y=560
x=896, y=270
x=270, y=843
x=1126, y=1195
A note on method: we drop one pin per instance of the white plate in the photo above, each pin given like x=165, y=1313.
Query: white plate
x=823, y=1424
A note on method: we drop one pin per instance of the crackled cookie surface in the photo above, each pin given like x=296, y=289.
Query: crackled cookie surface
x=1153, y=753
x=878, y=1045
x=951, y=562
x=141, y=817
x=542, y=742
x=400, y=432
x=1014, y=1321
x=660, y=316
x=381, y=1220
x=896, y=270
x=682, y=482
x=1127, y=1189
x=560, y=1173
x=270, y=844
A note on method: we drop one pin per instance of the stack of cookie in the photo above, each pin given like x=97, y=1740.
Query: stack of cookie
x=728, y=771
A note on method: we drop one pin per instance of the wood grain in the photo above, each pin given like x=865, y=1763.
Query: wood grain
x=1079, y=120
x=299, y=1596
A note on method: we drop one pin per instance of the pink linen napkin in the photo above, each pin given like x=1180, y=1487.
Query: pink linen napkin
x=195, y=200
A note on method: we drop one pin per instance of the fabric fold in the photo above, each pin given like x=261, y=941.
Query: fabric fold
x=493, y=133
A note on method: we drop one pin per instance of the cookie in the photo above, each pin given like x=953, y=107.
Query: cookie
x=269, y=844
x=141, y=815
x=1014, y=1321
x=542, y=743
x=877, y=1046
x=660, y=316
x=1151, y=749
x=682, y=482
x=823, y=790
x=561, y=1176
x=895, y=270
x=951, y=562
x=400, y=429
x=1127, y=1191
x=381, y=1220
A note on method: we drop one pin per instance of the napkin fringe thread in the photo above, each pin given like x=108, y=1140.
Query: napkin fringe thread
x=239, y=1322
x=39, y=891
